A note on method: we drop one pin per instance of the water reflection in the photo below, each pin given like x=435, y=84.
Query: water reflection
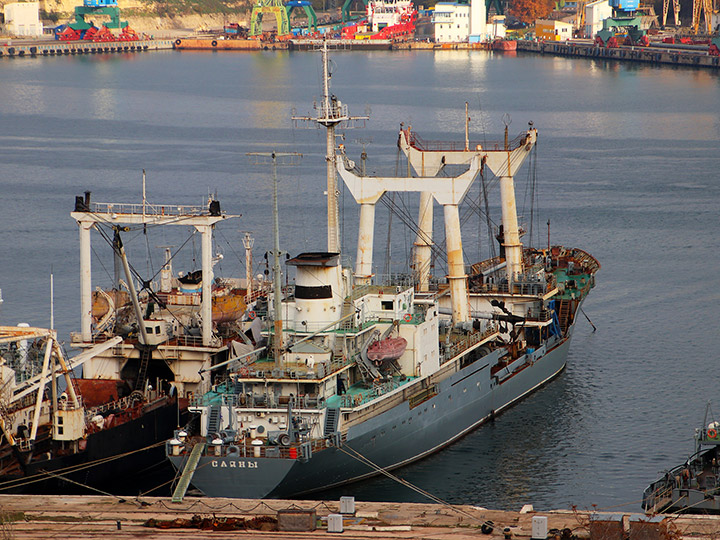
x=104, y=105
x=21, y=98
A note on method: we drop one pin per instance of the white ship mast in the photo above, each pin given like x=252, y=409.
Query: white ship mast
x=330, y=114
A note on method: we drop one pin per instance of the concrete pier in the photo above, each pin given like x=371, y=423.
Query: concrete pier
x=90, y=517
x=649, y=55
x=59, y=48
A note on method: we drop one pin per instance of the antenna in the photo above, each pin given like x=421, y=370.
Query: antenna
x=143, y=194
x=52, y=300
x=330, y=113
x=363, y=156
x=286, y=158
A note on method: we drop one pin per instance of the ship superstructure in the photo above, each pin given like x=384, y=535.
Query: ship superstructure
x=171, y=329
x=385, y=13
x=373, y=376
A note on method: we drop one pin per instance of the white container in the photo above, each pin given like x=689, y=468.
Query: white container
x=539, y=528
x=217, y=443
x=257, y=444
x=347, y=505
x=335, y=523
x=176, y=445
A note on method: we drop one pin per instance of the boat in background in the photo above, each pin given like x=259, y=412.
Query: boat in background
x=140, y=355
x=174, y=328
x=505, y=45
x=313, y=410
x=78, y=435
x=694, y=486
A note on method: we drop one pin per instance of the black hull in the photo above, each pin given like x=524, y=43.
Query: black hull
x=124, y=460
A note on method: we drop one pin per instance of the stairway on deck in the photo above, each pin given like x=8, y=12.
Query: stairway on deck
x=332, y=415
x=213, y=425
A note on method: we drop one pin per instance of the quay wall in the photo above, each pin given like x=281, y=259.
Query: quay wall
x=101, y=517
x=648, y=55
x=59, y=48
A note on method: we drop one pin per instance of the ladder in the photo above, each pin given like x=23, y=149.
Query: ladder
x=213, y=425
x=564, y=315
x=331, y=420
x=188, y=472
x=145, y=357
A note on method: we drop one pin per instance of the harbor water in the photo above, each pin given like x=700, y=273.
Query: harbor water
x=627, y=169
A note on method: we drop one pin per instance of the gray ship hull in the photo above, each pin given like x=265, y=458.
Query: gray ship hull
x=394, y=438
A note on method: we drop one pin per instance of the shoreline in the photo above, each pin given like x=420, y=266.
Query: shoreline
x=653, y=54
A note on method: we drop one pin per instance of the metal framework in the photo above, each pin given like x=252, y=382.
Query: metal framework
x=275, y=7
x=701, y=7
x=676, y=11
x=309, y=11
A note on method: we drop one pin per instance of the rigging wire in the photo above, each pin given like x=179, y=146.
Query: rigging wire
x=359, y=457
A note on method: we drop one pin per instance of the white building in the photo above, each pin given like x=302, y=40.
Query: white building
x=457, y=22
x=22, y=19
x=595, y=13
x=497, y=28
x=478, y=21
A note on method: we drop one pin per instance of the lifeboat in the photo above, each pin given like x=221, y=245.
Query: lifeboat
x=387, y=350
x=228, y=307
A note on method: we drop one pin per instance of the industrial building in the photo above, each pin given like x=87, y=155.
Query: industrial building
x=553, y=30
x=457, y=22
x=22, y=19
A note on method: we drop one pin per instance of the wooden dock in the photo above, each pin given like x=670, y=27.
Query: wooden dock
x=99, y=517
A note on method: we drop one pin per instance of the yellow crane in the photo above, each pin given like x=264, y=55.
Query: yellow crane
x=700, y=8
x=676, y=11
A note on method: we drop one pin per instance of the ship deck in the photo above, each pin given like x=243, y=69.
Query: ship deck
x=358, y=394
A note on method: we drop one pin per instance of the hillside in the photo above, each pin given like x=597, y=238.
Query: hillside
x=157, y=16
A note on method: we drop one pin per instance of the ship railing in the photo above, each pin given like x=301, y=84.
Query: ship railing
x=467, y=342
x=459, y=146
x=67, y=405
x=527, y=288
x=538, y=315
x=180, y=341
x=365, y=396
x=332, y=110
x=246, y=450
x=121, y=404
x=223, y=393
x=150, y=209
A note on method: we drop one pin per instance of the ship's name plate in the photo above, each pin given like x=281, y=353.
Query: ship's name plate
x=235, y=463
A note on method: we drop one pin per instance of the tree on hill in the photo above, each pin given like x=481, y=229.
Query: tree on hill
x=530, y=10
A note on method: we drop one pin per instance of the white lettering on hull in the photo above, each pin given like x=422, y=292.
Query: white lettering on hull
x=234, y=464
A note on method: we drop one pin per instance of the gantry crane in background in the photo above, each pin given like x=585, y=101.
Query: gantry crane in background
x=676, y=11
x=700, y=8
x=275, y=7
x=282, y=13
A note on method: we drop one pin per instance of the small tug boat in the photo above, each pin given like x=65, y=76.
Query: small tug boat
x=694, y=486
